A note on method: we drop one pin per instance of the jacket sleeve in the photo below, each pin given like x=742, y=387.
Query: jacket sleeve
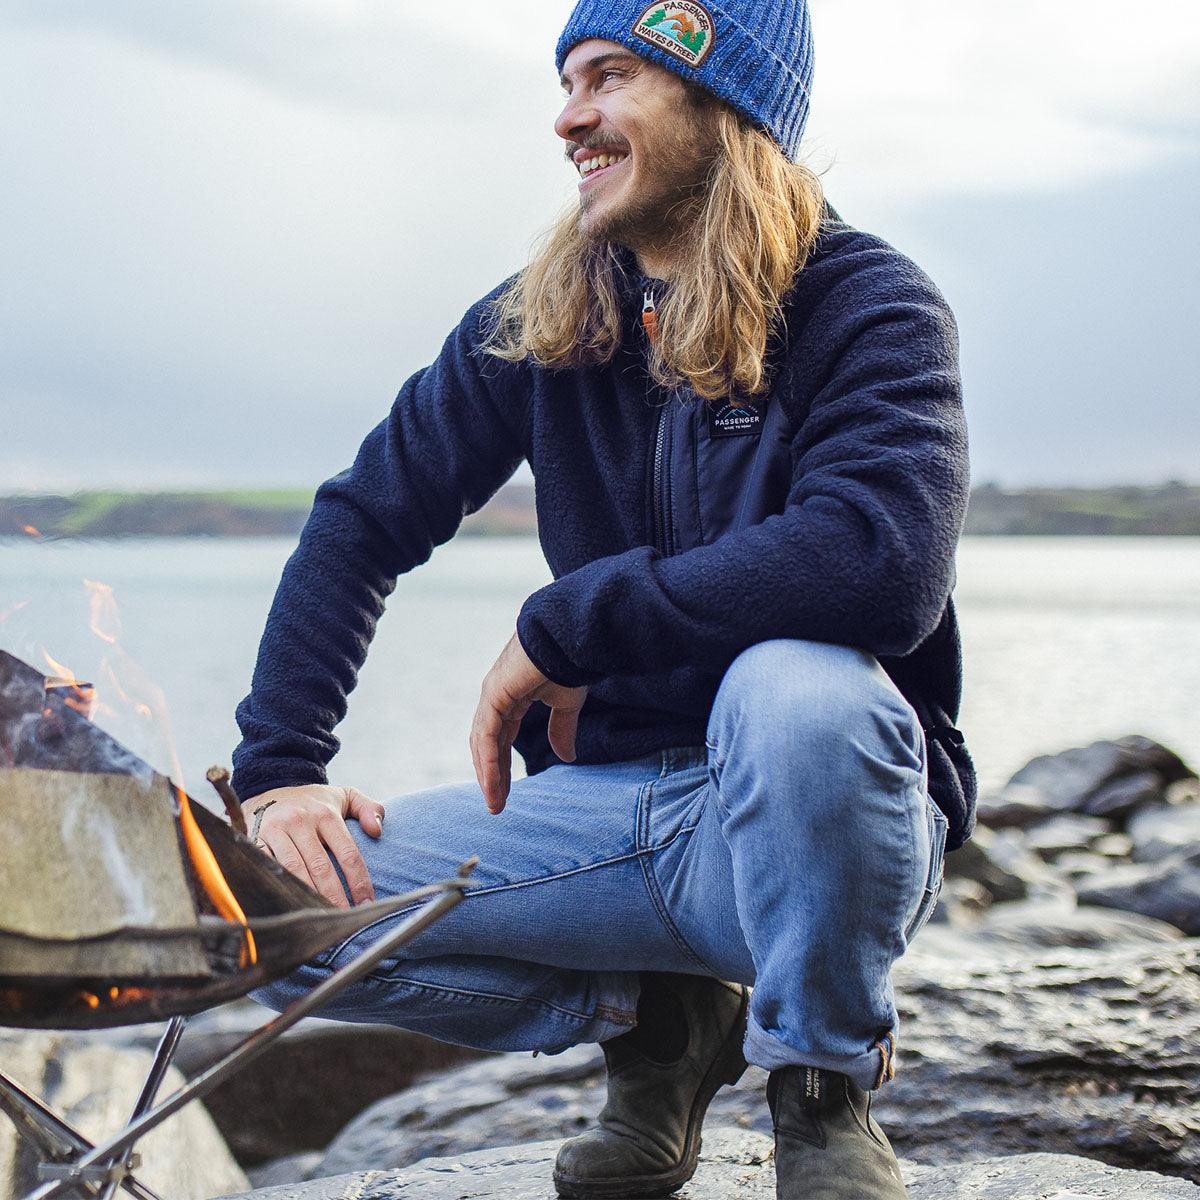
x=862, y=552
x=455, y=433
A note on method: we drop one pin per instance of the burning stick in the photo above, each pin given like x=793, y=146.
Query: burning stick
x=219, y=778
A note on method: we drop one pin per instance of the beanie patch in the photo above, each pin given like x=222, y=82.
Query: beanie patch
x=682, y=28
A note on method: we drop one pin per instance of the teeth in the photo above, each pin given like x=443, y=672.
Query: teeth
x=601, y=160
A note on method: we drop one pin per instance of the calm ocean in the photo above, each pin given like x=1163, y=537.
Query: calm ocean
x=1066, y=640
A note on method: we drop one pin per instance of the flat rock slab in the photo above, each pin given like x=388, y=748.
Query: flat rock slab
x=1003, y=1051
x=1041, y=1177
x=738, y=1164
x=1087, y=1052
x=734, y=1162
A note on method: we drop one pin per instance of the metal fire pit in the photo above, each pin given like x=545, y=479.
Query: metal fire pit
x=121, y=901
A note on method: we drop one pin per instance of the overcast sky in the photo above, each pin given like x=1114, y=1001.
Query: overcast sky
x=230, y=229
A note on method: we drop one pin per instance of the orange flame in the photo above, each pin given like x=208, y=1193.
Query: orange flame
x=33, y=532
x=105, y=622
x=61, y=673
x=138, y=707
x=210, y=875
x=74, y=694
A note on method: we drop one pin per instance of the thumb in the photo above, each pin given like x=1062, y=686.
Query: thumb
x=367, y=812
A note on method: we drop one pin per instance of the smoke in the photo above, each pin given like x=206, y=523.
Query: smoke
x=74, y=634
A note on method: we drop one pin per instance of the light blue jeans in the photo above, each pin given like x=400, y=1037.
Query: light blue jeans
x=797, y=852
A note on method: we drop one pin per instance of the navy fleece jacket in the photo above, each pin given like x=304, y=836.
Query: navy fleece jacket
x=856, y=544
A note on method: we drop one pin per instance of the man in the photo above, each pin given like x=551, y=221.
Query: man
x=735, y=700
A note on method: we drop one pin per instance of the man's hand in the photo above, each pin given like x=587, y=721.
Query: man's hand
x=306, y=831
x=509, y=690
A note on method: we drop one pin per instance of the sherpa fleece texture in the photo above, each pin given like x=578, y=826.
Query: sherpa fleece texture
x=860, y=550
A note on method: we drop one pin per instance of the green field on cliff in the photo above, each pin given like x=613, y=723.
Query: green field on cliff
x=1163, y=510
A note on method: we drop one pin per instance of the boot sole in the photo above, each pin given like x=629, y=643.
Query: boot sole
x=727, y=1068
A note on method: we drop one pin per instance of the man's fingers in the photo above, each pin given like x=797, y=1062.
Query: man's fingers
x=367, y=812
x=300, y=850
x=320, y=868
x=340, y=845
x=509, y=689
x=487, y=758
x=497, y=720
x=288, y=855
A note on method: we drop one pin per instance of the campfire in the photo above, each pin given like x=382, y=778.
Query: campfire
x=122, y=900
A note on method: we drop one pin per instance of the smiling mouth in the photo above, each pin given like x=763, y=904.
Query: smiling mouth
x=600, y=162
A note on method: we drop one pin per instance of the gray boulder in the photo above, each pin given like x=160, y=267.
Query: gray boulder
x=1157, y=833
x=1106, y=779
x=736, y=1165
x=1002, y=863
x=1051, y=923
x=1015, y=806
x=94, y=1087
x=1075, y=864
x=497, y=1102
x=1120, y=798
x=1168, y=890
x=284, y=1104
x=962, y=902
x=1067, y=831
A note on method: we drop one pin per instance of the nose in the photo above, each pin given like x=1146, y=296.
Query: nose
x=578, y=116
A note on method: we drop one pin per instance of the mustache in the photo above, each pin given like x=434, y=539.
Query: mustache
x=597, y=141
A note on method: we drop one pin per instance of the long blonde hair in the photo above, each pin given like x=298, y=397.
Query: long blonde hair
x=750, y=229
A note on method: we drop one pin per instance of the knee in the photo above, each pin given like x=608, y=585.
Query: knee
x=807, y=696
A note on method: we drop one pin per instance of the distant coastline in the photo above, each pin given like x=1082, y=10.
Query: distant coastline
x=1171, y=509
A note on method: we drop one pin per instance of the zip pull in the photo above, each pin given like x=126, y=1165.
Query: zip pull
x=649, y=317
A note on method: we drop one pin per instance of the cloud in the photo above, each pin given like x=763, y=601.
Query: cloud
x=242, y=223
x=936, y=98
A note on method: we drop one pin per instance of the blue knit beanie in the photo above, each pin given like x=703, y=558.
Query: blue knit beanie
x=757, y=57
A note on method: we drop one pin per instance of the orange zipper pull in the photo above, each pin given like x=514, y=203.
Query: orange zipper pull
x=649, y=317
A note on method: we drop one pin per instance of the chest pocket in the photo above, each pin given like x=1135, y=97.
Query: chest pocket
x=718, y=484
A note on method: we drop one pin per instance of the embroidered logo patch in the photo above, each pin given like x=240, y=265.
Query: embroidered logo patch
x=683, y=29
x=737, y=419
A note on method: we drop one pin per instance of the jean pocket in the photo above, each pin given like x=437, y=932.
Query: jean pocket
x=938, y=826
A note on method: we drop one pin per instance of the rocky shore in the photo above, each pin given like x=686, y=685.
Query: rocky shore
x=1049, y=1042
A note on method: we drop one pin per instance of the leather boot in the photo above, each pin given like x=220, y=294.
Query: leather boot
x=648, y=1138
x=827, y=1144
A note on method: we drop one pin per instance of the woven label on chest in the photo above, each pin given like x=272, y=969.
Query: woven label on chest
x=738, y=418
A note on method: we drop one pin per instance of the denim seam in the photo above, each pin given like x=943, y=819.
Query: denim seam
x=603, y=1011
x=912, y=849
x=492, y=890
x=645, y=860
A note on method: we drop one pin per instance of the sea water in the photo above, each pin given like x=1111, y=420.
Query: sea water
x=1066, y=640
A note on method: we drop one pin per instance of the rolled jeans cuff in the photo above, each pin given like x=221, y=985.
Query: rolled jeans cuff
x=763, y=1049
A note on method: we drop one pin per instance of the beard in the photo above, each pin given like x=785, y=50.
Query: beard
x=664, y=193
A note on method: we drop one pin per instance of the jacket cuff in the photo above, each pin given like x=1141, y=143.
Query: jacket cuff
x=255, y=778
x=544, y=650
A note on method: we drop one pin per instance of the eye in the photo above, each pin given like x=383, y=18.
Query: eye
x=611, y=74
